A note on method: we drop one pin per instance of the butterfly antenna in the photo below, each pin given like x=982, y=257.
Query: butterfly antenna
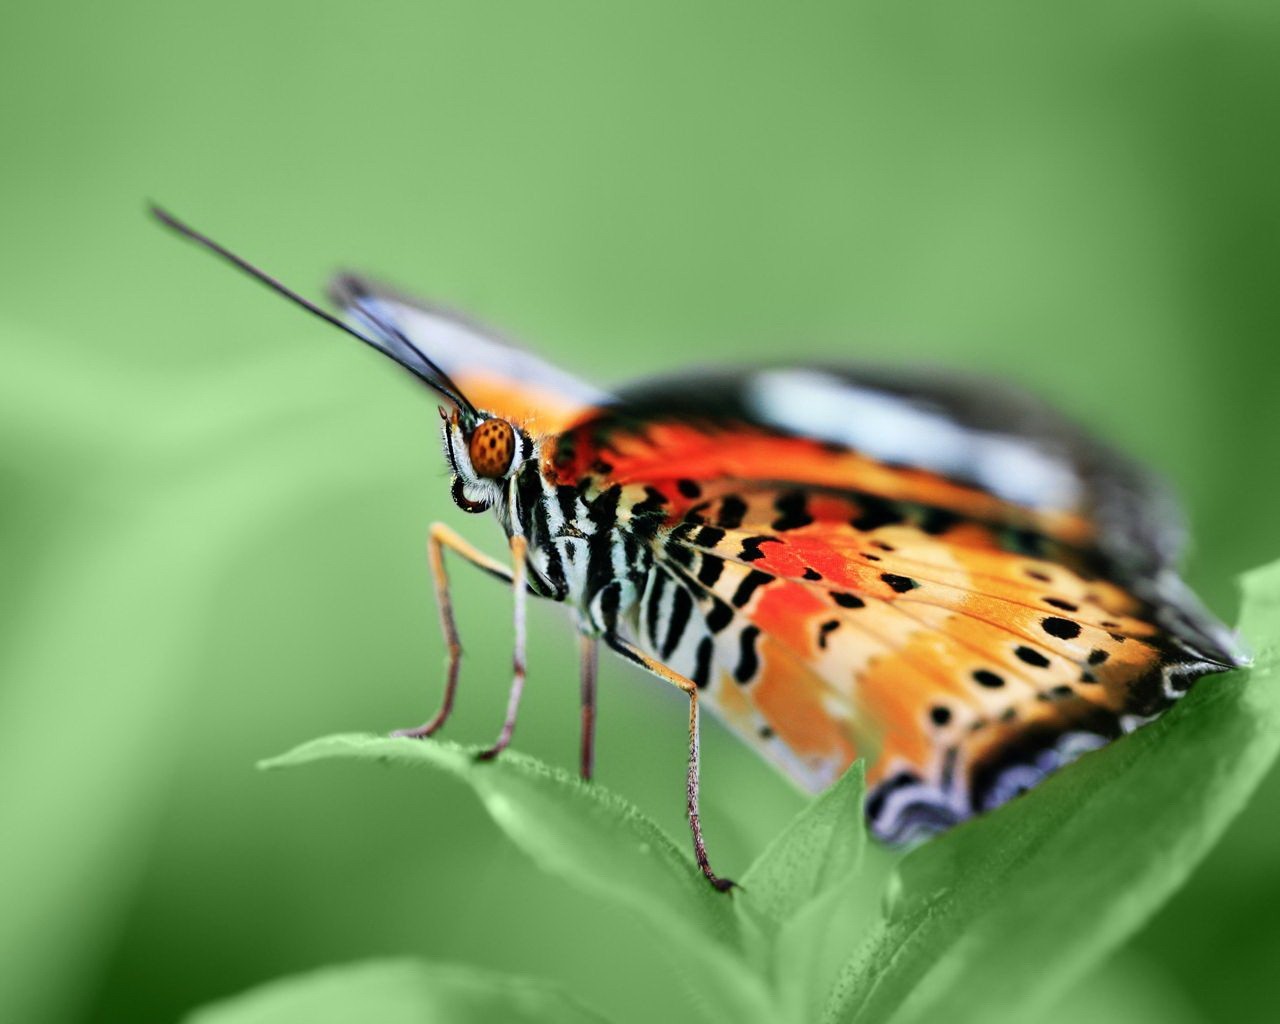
x=438, y=380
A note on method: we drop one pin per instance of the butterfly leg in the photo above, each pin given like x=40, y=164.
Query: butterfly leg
x=439, y=538
x=691, y=779
x=587, y=664
x=519, y=590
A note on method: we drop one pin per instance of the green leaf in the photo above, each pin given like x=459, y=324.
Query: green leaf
x=809, y=897
x=1125, y=989
x=597, y=842
x=819, y=850
x=399, y=992
x=1000, y=915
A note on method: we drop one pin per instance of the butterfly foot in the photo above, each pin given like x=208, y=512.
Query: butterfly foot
x=419, y=732
x=722, y=884
x=491, y=753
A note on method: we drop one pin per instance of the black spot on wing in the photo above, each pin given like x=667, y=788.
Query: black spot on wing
x=653, y=607
x=874, y=513
x=681, y=609
x=680, y=554
x=750, y=583
x=695, y=513
x=708, y=537
x=985, y=677
x=1032, y=657
x=830, y=626
x=719, y=616
x=792, y=511
x=732, y=511
x=702, y=663
x=748, y=660
x=751, y=551
x=683, y=533
x=1063, y=629
x=689, y=488
x=845, y=600
x=898, y=584
x=710, y=569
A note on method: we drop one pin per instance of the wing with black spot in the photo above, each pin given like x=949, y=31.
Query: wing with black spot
x=963, y=447
x=963, y=613
x=964, y=669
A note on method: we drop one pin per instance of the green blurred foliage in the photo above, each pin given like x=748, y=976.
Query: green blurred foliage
x=214, y=516
x=400, y=992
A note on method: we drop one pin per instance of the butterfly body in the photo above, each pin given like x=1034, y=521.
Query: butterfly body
x=939, y=576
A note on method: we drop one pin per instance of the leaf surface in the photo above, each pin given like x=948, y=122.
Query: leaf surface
x=819, y=850
x=594, y=840
x=399, y=992
x=810, y=898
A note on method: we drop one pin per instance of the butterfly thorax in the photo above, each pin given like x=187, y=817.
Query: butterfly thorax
x=589, y=546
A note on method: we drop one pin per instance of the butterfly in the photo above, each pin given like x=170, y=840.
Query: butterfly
x=940, y=576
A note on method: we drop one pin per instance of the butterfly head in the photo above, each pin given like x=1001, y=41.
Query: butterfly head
x=484, y=453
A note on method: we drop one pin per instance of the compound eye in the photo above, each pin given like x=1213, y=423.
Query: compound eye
x=491, y=448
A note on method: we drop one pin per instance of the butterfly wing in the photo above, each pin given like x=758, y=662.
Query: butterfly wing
x=959, y=586
x=966, y=446
x=493, y=373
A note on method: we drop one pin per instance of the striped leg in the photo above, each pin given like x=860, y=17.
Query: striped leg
x=587, y=664
x=519, y=591
x=438, y=538
x=691, y=779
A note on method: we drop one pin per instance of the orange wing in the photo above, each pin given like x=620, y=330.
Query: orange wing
x=833, y=605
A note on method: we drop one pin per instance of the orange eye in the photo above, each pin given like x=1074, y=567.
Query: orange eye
x=491, y=448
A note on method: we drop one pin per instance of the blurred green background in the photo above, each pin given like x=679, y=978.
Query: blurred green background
x=214, y=509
